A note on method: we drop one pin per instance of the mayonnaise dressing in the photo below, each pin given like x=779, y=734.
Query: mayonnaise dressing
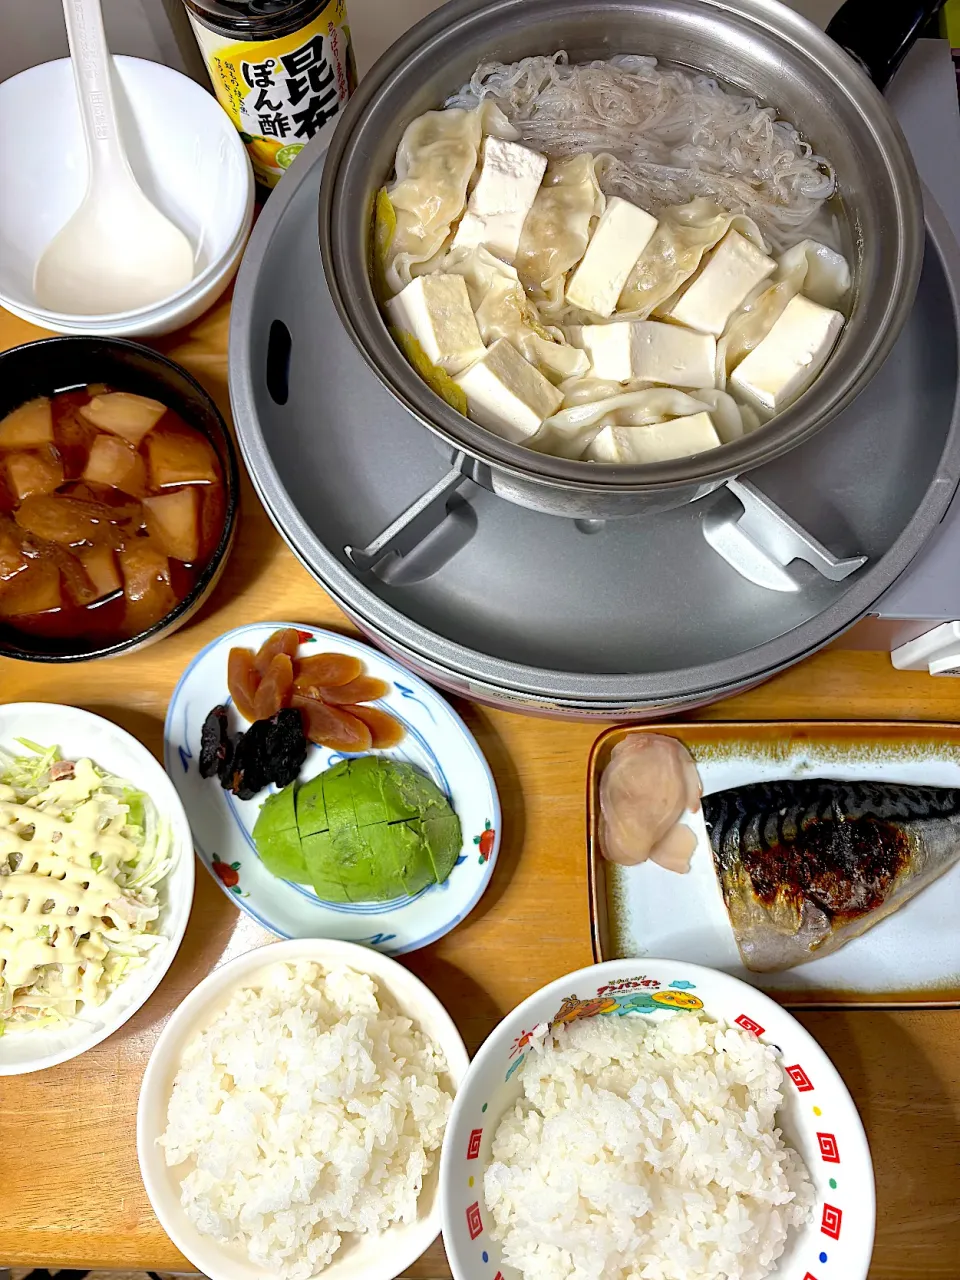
x=60, y=903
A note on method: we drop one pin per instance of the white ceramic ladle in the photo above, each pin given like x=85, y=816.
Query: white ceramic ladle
x=118, y=252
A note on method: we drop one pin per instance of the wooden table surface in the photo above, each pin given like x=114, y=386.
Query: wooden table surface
x=70, y=1190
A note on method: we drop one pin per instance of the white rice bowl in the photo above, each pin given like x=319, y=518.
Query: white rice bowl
x=547, y=1165
x=648, y=1149
x=291, y=1115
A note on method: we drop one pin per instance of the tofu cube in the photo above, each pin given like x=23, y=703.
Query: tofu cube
x=436, y=310
x=635, y=446
x=732, y=271
x=507, y=395
x=608, y=347
x=672, y=355
x=510, y=178
x=788, y=359
x=621, y=235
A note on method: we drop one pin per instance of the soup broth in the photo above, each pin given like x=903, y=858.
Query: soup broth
x=111, y=506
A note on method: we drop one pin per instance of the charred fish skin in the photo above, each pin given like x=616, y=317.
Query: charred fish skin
x=804, y=866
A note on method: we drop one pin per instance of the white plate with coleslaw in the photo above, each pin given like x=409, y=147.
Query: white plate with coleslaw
x=112, y=841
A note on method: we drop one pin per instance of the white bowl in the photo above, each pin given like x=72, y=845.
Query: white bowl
x=167, y=317
x=818, y=1117
x=183, y=148
x=367, y=1257
x=80, y=733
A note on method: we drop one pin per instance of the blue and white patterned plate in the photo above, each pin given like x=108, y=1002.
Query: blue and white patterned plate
x=437, y=741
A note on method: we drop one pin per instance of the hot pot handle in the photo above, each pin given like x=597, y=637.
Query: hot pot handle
x=879, y=36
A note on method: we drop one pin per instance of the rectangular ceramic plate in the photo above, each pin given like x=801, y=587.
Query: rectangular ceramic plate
x=910, y=958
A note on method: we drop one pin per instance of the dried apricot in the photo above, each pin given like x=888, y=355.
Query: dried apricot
x=331, y=727
x=385, y=730
x=242, y=681
x=274, y=689
x=287, y=641
x=327, y=669
x=363, y=689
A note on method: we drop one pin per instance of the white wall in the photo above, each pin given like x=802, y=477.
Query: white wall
x=31, y=31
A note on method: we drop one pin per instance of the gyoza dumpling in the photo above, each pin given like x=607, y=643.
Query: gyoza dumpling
x=686, y=232
x=730, y=419
x=503, y=310
x=557, y=229
x=435, y=161
x=569, y=433
x=818, y=272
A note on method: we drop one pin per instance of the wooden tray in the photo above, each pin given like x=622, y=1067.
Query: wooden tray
x=909, y=960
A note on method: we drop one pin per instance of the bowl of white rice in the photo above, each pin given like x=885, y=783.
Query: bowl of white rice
x=292, y=1112
x=654, y=1120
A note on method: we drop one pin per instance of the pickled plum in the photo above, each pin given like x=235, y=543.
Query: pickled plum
x=124, y=414
x=28, y=427
x=287, y=641
x=242, y=681
x=326, y=669
x=273, y=691
x=331, y=727
x=179, y=457
x=33, y=473
x=116, y=464
x=173, y=520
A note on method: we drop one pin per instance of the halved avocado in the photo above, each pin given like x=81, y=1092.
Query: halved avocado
x=277, y=839
x=443, y=840
x=399, y=846
x=366, y=780
x=310, y=807
x=408, y=793
x=323, y=867
x=366, y=876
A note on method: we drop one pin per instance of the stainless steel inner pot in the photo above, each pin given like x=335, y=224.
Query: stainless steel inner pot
x=758, y=45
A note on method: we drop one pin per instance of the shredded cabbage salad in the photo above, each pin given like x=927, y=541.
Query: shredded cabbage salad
x=81, y=855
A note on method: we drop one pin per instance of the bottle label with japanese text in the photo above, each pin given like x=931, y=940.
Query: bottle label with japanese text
x=282, y=93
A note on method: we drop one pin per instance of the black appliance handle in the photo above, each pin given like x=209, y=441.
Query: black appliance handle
x=879, y=36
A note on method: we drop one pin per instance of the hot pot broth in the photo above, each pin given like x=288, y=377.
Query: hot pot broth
x=111, y=506
x=618, y=262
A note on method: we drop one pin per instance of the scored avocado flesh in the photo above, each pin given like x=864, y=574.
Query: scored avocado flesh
x=366, y=830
